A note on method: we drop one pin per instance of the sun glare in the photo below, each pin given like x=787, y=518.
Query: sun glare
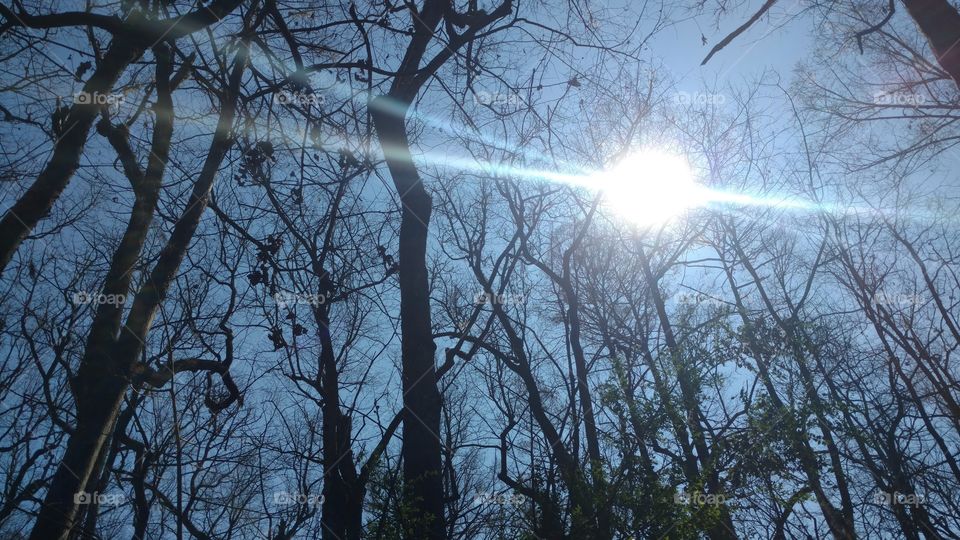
x=650, y=187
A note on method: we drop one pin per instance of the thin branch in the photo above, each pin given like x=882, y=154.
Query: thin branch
x=743, y=28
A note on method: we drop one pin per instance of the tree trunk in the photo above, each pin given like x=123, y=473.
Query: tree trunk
x=337, y=508
x=600, y=494
x=95, y=420
x=421, y=450
x=939, y=21
x=107, y=365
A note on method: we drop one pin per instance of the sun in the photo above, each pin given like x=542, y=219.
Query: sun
x=650, y=187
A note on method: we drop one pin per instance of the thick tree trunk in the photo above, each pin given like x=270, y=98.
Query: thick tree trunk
x=95, y=420
x=20, y=219
x=107, y=365
x=339, y=509
x=421, y=450
x=939, y=21
x=102, y=378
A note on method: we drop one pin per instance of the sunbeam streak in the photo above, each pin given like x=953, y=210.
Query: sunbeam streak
x=654, y=186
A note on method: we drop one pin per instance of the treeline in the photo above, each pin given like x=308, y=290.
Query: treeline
x=309, y=269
